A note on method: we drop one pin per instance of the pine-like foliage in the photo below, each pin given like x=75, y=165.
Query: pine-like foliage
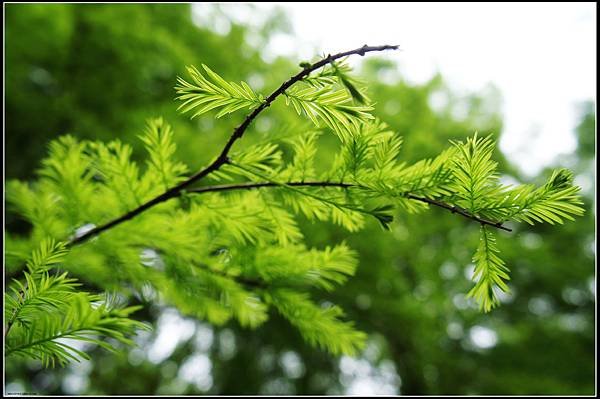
x=235, y=250
x=212, y=91
x=490, y=272
x=46, y=313
x=158, y=139
x=333, y=107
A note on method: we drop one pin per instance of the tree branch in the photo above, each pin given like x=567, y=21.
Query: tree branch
x=236, y=135
x=460, y=211
x=252, y=185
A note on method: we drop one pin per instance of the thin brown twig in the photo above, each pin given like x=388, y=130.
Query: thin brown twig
x=460, y=211
x=253, y=185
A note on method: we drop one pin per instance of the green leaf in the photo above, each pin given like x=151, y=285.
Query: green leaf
x=48, y=254
x=330, y=106
x=490, y=272
x=552, y=203
x=212, y=91
x=81, y=320
x=158, y=139
x=320, y=326
x=46, y=311
x=474, y=173
x=119, y=174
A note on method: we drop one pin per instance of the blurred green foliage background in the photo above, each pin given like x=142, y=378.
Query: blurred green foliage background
x=100, y=71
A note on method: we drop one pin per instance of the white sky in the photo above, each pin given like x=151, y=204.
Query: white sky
x=542, y=56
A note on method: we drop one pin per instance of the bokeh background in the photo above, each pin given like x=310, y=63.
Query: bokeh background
x=524, y=74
